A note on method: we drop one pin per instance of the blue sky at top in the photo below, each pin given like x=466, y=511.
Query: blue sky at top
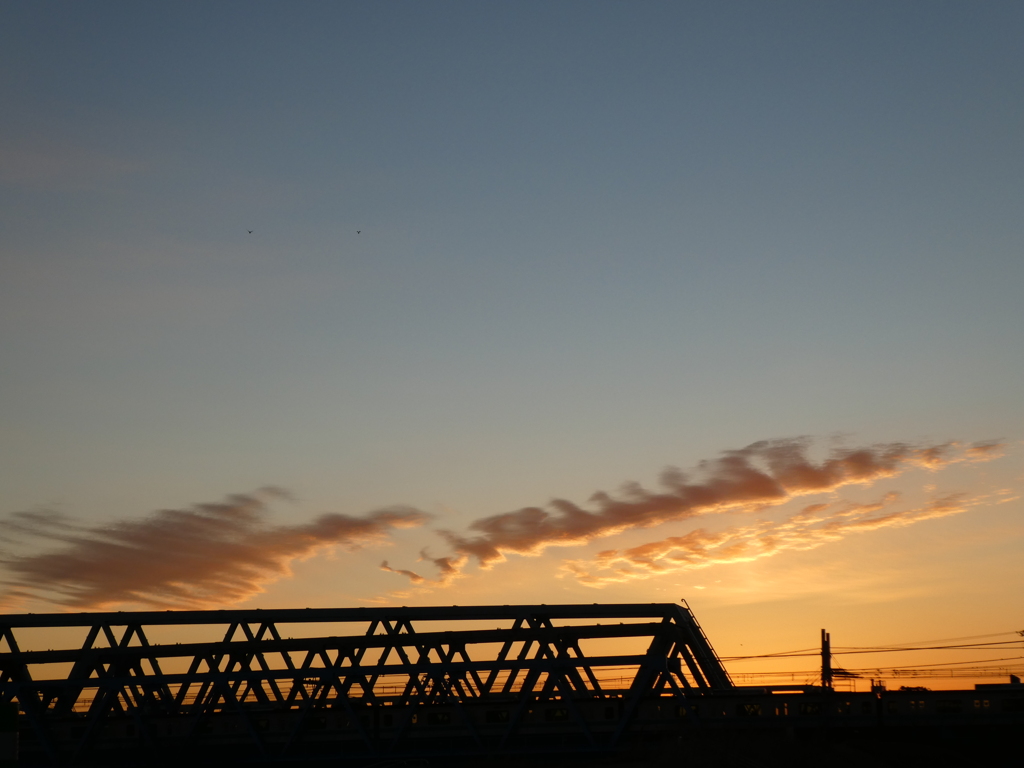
x=596, y=238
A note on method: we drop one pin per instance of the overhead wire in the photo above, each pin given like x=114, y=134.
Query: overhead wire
x=849, y=650
x=945, y=663
x=952, y=639
x=979, y=667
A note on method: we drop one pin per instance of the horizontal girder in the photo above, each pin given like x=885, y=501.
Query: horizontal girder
x=452, y=613
x=379, y=660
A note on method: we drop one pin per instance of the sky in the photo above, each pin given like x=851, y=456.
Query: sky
x=372, y=303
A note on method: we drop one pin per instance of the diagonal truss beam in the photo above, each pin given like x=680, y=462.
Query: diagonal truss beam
x=379, y=680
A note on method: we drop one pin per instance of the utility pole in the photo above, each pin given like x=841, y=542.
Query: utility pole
x=826, y=660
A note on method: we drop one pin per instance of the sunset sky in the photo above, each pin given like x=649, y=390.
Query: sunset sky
x=542, y=302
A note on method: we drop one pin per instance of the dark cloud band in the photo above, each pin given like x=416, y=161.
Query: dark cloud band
x=204, y=555
x=764, y=474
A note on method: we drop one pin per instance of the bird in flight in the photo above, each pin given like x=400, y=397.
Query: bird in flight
x=358, y=231
x=249, y=231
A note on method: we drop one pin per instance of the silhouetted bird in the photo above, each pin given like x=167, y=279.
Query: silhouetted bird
x=358, y=231
x=249, y=231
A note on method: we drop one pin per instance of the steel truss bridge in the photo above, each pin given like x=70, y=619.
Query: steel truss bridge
x=356, y=684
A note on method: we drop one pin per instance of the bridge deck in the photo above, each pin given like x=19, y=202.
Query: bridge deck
x=580, y=674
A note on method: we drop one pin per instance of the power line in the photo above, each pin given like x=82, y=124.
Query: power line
x=952, y=639
x=781, y=655
x=981, y=668
x=945, y=664
x=917, y=645
x=810, y=676
x=972, y=646
x=849, y=650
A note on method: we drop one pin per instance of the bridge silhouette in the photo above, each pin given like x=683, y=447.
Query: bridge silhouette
x=479, y=679
x=439, y=683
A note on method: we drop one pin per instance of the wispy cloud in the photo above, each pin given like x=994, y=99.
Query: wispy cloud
x=810, y=528
x=412, y=576
x=226, y=552
x=762, y=475
x=448, y=567
x=208, y=554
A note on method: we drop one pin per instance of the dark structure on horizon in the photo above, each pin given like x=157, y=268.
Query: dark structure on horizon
x=374, y=683
x=381, y=685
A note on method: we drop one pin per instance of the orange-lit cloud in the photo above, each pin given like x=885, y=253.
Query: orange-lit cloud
x=762, y=475
x=205, y=555
x=448, y=568
x=813, y=526
x=983, y=451
x=412, y=576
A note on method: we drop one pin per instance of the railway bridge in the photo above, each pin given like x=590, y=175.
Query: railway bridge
x=350, y=684
x=379, y=686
